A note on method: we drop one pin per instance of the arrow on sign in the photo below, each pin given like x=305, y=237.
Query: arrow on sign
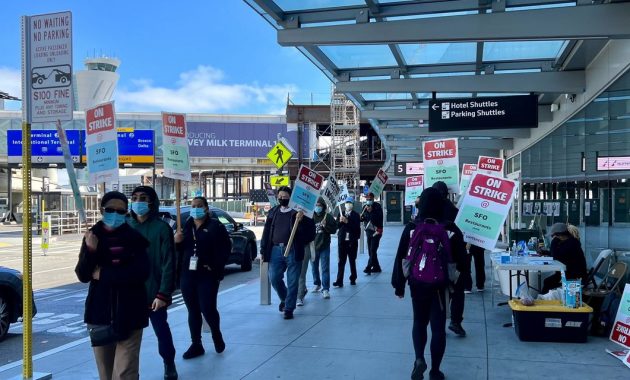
x=279, y=181
x=435, y=107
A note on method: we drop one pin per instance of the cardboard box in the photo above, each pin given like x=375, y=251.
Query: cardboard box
x=549, y=321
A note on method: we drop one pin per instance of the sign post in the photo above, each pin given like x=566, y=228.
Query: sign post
x=441, y=163
x=484, y=208
x=378, y=183
x=413, y=189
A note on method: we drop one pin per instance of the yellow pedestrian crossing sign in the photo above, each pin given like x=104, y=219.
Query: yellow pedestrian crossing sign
x=279, y=154
x=279, y=180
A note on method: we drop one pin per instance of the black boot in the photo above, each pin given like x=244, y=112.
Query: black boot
x=419, y=366
x=195, y=349
x=219, y=344
x=170, y=372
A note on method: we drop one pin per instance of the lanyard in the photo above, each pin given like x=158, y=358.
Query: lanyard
x=195, y=241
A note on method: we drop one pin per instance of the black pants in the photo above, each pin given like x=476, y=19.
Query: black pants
x=477, y=254
x=347, y=250
x=429, y=306
x=458, y=297
x=199, y=291
x=163, y=333
x=373, y=243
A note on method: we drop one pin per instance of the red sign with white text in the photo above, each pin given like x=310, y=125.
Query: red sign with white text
x=174, y=125
x=491, y=188
x=469, y=169
x=490, y=165
x=311, y=177
x=382, y=176
x=440, y=149
x=621, y=334
x=100, y=119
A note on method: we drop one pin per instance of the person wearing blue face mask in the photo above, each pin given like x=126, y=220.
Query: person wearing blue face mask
x=204, y=246
x=114, y=261
x=161, y=283
x=325, y=226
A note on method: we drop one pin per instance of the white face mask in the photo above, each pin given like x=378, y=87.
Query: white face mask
x=348, y=206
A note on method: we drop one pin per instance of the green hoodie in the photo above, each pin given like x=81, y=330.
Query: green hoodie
x=322, y=236
x=161, y=252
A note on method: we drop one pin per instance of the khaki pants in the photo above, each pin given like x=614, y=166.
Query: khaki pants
x=121, y=360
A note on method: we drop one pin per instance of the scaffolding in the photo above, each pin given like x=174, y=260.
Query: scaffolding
x=345, y=132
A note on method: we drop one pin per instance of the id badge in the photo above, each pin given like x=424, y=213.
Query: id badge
x=422, y=262
x=193, y=263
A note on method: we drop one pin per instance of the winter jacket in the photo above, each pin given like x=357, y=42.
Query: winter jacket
x=304, y=235
x=375, y=217
x=121, y=255
x=322, y=233
x=569, y=252
x=353, y=227
x=161, y=252
x=458, y=252
x=213, y=247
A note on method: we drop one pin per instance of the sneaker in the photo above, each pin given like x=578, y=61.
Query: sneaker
x=353, y=282
x=367, y=270
x=288, y=314
x=338, y=284
x=219, y=344
x=281, y=306
x=325, y=294
x=376, y=270
x=419, y=366
x=436, y=374
x=300, y=302
x=480, y=290
x=467, y=291
x=195, y=349
x=457, y=329
x=316, y=289
x=170, y=372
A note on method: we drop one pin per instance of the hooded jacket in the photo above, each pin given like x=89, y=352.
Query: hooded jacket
x=161, y=249
x=323, y=229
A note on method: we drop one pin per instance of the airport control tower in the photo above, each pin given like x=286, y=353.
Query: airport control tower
x=97, y=83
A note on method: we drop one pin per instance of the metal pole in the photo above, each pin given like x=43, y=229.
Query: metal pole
x=27, y=251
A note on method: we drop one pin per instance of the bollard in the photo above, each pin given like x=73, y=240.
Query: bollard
x=265, y=284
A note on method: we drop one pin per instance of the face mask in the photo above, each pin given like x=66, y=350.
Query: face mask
x=283, y=202
x=197, y=212
x=140, y=208
x=369, y=203
x=318, y=209
x=348, y=206
x=113, y=219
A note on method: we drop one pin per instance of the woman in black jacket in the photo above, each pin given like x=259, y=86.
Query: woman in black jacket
x=204, y=246
x=568, y=250
x=113, y=260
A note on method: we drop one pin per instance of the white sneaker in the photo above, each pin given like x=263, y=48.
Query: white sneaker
x=325, y=294
x=467, y=291
x=300, y=302
x=480, y=290
x=316, y=289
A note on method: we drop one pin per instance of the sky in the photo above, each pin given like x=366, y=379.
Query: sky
x=216, y=56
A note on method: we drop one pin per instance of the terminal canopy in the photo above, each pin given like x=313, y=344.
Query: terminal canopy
x=392, y=57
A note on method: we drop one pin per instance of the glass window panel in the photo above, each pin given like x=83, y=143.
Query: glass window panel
x=430, y=54
x=294, y=5
x=508, y=51
x=352, y=56
x=386, y=96
x=431, y=15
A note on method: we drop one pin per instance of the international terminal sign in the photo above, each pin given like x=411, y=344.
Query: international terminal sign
x=466, y=114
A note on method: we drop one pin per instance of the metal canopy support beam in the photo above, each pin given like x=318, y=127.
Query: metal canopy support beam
x=462, y=151
x=406, y=114
x=463, y=143
x=424, y=132
x=583, y=22
x=559, y=82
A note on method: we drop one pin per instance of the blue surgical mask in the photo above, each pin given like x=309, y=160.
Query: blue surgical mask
x=369, y=203
x=140, y=208
x=197, y=212
x=318, y=209
x=113, y=219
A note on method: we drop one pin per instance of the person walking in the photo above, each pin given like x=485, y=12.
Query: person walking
x=478, y=255
x=113, y=259
x=464, y=281
x=276, y=235
x=325, y=226
x=204, y=246
x=372, y=218
x=145, y=206
x=428, y=298
x=348, y=242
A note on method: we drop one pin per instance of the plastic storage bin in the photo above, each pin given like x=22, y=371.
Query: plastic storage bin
x=549, y=321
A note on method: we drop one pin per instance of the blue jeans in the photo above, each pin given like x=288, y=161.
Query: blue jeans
x=324, y=257
x=163, y=334
x=278, y=265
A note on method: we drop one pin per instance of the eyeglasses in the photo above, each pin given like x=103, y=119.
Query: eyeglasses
x=117, y=211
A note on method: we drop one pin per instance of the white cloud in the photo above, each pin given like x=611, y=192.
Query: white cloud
x=11, y=81
x=202, y=90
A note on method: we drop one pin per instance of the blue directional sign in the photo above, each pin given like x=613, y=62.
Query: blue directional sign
x=135, y=146
x=45, y=146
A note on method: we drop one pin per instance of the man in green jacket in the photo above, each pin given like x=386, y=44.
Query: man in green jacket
x=325, y=226
x=145, y=205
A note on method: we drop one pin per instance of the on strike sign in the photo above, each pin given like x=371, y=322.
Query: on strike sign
x=334, y=193
x=101, y=144
x=413, y=189
x=175, y=146
x=378, y=183
x=306, y=191
x=484, y=208
x=47, y=67
x=490, y=166
x=621, y=329
x=441, y=163
x=467, y=172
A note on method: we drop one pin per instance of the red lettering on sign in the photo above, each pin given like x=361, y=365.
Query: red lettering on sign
x=621, y=334
x=174, y=125
x=469, y=169
x=414, y=181
x=491, y=188
x=441, y=149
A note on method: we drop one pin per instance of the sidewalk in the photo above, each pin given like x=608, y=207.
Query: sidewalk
x=362, y=332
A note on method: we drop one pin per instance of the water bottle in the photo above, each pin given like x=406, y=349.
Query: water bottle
x=513, y=247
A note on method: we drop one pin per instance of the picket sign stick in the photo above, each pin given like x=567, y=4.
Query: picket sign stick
x=290, y=243
x=178, y=193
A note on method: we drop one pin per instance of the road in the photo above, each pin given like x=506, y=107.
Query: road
x=60, y=298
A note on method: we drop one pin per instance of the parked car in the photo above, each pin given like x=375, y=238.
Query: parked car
x=10, y=299
x=244, y=249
